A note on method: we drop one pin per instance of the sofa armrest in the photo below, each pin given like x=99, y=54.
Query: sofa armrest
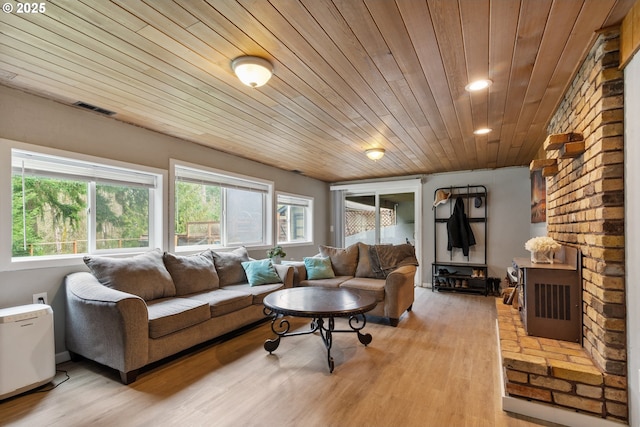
x=286, y=274
x=399, y=290
x=105, y=325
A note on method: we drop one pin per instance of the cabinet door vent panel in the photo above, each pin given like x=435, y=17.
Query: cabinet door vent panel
x=552, y=301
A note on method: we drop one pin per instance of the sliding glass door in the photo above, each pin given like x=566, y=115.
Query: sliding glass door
x=380, y=213
x=379, y=218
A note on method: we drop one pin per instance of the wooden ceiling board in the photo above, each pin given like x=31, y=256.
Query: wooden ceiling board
x=407, y=110
x=475, y=34
x=503, y=32
x=436, y=99
x=591, y=15
x=531, y=25
x=349, y=74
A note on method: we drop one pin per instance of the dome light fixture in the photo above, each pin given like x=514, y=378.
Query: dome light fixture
x=478, y=85
x=375, y=153
x=482, y=131
x=252, y=70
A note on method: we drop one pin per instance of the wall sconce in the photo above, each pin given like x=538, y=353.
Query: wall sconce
x=252, y=70
x=375, y=153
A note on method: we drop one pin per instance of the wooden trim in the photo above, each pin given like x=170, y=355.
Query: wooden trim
x=572, y=149
x=557, y=140
x=550, y=170
x=630, y=35
x=538, y=164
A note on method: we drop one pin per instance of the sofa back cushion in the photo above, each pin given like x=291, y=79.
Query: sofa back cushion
x=229, y=266
x=343, y=260
x=143, y=275
x=193, y=273
x=364, y=262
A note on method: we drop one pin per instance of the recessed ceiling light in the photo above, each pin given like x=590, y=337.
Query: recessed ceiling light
x=482, y=131
x=478, y=85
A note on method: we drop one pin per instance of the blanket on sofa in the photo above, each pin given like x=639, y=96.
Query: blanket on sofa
x=386, y=258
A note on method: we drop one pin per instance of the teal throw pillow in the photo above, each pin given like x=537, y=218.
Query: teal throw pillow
x=260, y=272
x=318, y=268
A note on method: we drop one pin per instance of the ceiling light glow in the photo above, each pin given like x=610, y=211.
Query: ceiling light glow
x=375, y=153
x=482, y=131
x=478, y=85
x=252, y=70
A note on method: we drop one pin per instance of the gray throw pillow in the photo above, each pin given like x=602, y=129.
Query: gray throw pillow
x=192, y=273
x=143, y=275
x=364, y=262
x=229, y=266
x=343, y=261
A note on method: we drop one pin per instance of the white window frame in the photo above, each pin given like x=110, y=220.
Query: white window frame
x=242, y=181
x=307, y=201
x=157, y=206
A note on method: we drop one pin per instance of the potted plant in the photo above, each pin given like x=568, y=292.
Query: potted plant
x=276, y=254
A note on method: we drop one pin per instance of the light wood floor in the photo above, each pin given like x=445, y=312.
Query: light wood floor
x=437, y=368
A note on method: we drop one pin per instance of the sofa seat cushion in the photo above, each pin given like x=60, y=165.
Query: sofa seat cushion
x=170, y=315
x=372, y=286
x=258, y=292
x=327, y=283
x=224, y=301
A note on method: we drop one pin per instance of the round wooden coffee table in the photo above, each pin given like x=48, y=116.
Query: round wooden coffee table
x=323, y=305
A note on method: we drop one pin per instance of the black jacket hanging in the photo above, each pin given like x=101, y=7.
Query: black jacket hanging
x=459, y=230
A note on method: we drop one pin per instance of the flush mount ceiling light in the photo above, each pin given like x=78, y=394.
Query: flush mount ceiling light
x=482, y=131
x=375, y=153
x=252, y=70
x=478, y=85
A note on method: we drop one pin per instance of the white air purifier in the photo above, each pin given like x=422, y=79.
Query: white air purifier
x=27, y=349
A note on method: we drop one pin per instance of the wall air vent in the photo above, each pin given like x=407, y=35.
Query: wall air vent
x=94, y=108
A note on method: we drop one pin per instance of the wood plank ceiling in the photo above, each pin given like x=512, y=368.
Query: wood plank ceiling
x=349, y=74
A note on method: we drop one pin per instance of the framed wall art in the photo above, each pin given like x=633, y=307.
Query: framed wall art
x=538, y=197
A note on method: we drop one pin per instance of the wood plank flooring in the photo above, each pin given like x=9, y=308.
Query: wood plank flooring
x=439, y=367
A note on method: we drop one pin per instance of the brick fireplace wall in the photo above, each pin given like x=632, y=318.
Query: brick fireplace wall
x=585, y=209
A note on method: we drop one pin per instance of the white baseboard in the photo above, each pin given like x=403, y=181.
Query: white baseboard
x=546, y=412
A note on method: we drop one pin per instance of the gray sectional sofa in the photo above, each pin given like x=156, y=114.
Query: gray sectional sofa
x=384, y=271
x=127, y=313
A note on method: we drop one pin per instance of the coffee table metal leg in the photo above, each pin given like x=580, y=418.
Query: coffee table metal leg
x=327, y=337
x=326, y=328
x=354, y=324
x=281, y=329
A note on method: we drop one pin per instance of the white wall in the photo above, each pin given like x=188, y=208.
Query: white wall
x=34, y=120
x=508, y=212
x=632, y=230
